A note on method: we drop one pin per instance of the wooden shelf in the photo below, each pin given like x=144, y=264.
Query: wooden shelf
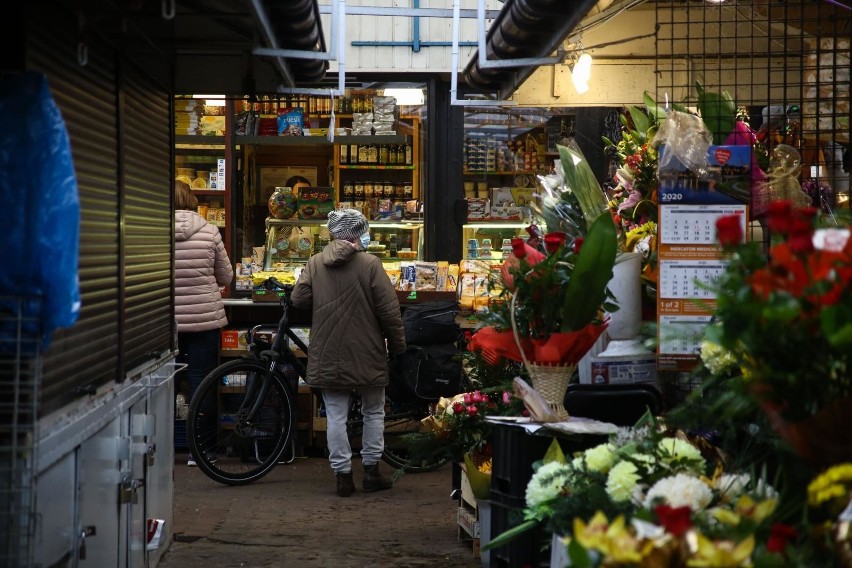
x=373, y=167
x=499, y=172
x=319, y=140
x=203, y=142
x=211, y=192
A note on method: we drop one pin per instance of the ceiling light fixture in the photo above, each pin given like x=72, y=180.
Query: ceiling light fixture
x=581, y=72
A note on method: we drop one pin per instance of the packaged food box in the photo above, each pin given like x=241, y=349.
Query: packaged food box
x=315, y=202
x=230, y=339
x=477, y=208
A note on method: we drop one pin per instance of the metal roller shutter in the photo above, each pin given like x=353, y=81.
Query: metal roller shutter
x=148, y=218
x=122, y=161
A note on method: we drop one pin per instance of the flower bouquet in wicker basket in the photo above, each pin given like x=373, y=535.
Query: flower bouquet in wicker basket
x=551, y=308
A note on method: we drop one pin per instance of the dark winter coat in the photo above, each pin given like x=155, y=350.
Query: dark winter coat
x=354, y=308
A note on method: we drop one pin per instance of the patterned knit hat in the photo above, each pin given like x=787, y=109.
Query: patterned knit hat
x=347, y=224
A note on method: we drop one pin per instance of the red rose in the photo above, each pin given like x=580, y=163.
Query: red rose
x=676, y=520
x=552, y=241
x=578, y=242
x=457, y=408
x=780, y=216
x=472, y=410
x=779, y=535
x=518, y=247
x=729, y=230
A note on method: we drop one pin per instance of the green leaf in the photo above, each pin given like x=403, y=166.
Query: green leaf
x=641, y=122
x=554, y=453
x=511, y=534
x=582, y=182
x=718, y=112
x=592, y=271
x=578, y=555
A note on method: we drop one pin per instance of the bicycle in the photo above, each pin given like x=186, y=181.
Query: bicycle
x=242, y=415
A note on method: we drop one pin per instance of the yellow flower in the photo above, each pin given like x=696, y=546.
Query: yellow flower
x=831, y=484
x=722, y=553
x=758, y=511
x=613, y=541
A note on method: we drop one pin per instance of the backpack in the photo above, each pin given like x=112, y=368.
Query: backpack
x=432, y=322
x=427, y=372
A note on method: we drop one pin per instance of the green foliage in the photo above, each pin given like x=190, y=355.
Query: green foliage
x=581, y=181
x=718, y=111
x=586, y=289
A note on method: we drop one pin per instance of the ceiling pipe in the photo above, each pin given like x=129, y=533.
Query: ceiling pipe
x=292, y=25
x=524, y=29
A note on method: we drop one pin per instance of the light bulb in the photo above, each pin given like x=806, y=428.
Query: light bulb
x=581, y=73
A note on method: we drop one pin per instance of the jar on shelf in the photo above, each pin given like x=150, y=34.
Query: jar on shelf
x=282, y=203
x=369, y=190
x=348, y=191
x=359, y=191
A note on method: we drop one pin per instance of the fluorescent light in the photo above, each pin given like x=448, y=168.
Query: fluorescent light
x=406, y=97
x=581, y=73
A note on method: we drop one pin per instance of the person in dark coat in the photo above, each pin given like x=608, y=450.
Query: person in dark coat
x=355, y=311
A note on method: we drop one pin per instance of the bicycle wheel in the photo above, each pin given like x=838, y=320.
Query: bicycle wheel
x=401, y=419
x=228, y=444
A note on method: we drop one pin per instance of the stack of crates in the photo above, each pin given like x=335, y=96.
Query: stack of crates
x=515, y=451
x=514, y=454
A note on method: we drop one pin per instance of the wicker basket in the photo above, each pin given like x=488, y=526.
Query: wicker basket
x=552, y=382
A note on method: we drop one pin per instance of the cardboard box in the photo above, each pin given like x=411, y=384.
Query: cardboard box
x=626, y=369
x=478, y=208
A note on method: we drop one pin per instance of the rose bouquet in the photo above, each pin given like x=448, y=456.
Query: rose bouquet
x=786, y=318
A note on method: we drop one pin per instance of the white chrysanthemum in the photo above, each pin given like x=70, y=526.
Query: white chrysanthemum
x=675, y=449
x=680, y=490
x=578, y=463
x=546, y=483
x=732, y=485
x=765, y=491
x=621, y=481
x=600, y=458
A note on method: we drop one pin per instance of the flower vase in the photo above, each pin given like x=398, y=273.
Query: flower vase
x=625, y=324
x=559, y=552
x=551, y=381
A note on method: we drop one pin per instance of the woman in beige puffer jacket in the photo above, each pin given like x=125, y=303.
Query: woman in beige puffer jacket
x=202, y=267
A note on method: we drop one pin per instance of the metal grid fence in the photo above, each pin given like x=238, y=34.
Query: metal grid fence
x=786, y=64
x=20, y=374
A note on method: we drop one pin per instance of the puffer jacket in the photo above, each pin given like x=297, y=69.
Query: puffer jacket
x=202, y=266
x=354, y=308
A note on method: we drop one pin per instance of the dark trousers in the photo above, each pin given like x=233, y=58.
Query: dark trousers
x=200, y=351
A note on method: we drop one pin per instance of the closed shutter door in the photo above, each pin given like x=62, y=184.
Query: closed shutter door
x=122, y=162
x=88, y=353
x=148, y=219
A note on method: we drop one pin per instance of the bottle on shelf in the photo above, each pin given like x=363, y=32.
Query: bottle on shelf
x=409, y=155
x=344, y=154
x=353, y=153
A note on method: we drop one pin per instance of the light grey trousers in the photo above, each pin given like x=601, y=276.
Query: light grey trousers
x=337, y=414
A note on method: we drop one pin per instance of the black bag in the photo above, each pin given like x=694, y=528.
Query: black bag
x=427, y=371
x=430, y=323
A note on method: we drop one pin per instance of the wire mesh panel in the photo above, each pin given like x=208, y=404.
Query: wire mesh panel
x=20, y=373
x=786, y=64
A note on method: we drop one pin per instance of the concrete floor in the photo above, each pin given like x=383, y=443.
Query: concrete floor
x=293, y=517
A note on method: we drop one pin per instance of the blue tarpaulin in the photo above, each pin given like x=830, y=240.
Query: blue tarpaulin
x=39, y=209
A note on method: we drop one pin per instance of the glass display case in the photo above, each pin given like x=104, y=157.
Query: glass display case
x=290, y=242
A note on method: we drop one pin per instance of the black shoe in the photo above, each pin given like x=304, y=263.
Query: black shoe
x=345, y=485
x=374, y=480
